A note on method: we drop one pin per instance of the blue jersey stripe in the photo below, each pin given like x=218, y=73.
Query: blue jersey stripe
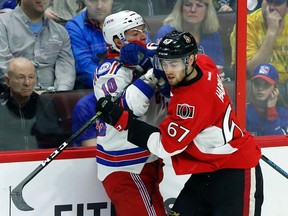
x=121, y=163
x=121, y=152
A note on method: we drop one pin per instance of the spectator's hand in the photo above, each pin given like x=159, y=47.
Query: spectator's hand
x=273, y=98
x=274, y=21
x=136, y=53
x=113, y=114
x=39, y=92
x=225, y=8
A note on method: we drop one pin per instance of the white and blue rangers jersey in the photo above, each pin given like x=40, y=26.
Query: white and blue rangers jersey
x=114, y=152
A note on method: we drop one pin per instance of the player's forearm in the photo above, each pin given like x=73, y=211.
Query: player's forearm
x=139, y=133
x=138, y=97
x=148, y=137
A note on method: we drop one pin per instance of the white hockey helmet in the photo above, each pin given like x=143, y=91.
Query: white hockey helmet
x=116, y=24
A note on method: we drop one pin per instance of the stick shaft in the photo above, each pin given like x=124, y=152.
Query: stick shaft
x=16, y=193
x=274, y=166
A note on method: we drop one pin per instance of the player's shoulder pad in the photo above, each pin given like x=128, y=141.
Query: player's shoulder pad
x=109, y=66
x=206, y=62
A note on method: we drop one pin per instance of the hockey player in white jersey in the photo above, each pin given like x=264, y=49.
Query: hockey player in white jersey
x=130, y=174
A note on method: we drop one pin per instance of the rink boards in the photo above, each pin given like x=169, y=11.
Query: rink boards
x=68, y=186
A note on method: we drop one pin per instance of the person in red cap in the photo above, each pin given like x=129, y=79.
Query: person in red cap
x=267, y=113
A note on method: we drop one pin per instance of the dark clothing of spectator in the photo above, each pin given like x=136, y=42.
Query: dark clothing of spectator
x=20, y=127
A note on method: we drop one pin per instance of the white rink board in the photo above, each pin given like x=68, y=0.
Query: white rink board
x=275, y=185
x=65, y=183
x=72, y=185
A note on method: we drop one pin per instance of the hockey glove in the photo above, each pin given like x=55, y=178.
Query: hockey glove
x=113, y=114
x=164, y=89
x=150, y=79
x=163, y=84
x=136, y=53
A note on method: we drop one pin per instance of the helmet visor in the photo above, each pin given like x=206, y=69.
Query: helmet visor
x=175, y=64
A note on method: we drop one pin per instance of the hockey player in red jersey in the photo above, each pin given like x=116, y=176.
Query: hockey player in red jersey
x=201, y=134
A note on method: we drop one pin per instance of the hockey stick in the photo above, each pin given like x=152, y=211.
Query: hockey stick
x=275, y=166
x=16, y=193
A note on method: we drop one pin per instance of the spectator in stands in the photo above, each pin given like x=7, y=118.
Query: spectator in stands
x=83, y=111
x=267, y=33
x=122, y=167
x=88, y=44
x=224, y=5
x=145, y=7
x=220, y=5
x=200, y=19
x=64, y=10
x=22, y=110
x=17, y=106
x=267, y=113
x=27, y=32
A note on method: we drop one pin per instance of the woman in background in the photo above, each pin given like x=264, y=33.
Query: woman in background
x=198, y=17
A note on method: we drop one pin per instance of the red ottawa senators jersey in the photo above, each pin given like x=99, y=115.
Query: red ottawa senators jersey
x=201, y=132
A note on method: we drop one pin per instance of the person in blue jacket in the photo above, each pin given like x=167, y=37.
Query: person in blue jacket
x=88, y=44
x=200, y=19
x=83, y=111
x=267, y=113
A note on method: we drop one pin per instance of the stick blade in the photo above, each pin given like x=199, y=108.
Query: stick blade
x=18, y=199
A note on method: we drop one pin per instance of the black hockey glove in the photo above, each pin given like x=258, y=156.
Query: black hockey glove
x=113, y=114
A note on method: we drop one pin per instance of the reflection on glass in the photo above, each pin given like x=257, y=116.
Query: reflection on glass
x=50, y=118
x=26, y=118
x=267, y=52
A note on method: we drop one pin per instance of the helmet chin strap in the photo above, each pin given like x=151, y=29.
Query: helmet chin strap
x=188, y=74
x=184, y=80
x=186, y=69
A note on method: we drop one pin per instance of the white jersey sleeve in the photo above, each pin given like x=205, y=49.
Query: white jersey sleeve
x=113, y=78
